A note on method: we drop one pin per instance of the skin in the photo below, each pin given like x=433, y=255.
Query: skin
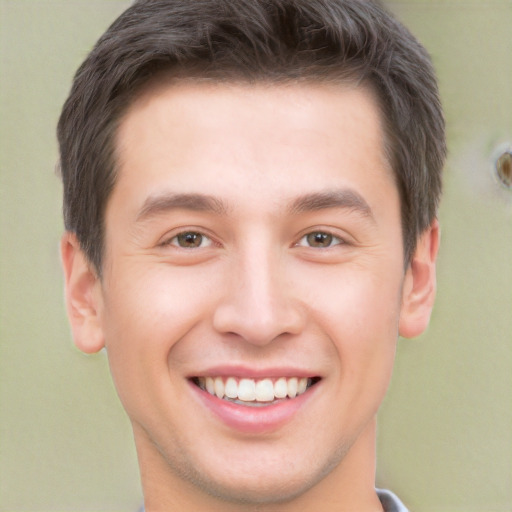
x=254, y=293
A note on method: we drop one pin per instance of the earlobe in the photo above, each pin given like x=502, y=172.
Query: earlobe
x=83, y=296
x=419, y=288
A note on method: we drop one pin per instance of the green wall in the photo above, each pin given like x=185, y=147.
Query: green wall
x=445, y=435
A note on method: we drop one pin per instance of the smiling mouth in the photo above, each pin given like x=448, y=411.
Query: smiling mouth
x=255, y=392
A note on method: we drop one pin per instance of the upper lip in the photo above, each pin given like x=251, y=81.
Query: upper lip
x=254, y=373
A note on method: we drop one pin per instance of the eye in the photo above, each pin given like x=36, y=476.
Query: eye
x=190, y=240
x=319, y=240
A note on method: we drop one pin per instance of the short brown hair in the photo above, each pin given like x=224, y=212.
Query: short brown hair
x=252, y=41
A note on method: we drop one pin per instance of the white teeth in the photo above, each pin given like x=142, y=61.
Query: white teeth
x=264, y=391
x=210, y=385
x=281, y=388
x=302, y=385
x=231, y=389
x=250, y=390
x=219, y=387
x=292, y=387
x=247, y=390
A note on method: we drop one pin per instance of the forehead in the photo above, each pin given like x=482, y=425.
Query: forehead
x=284, y=137
x=293, y=101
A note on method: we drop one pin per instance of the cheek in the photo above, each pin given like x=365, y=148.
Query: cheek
x=156, y=301
x=359, y=311
x=146, y=315
x=364, y=338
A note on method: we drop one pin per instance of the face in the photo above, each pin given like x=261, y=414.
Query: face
x=253, y=284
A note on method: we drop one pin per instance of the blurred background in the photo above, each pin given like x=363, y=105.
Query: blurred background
x=445, y=431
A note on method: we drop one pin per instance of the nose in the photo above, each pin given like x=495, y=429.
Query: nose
x=259, y=304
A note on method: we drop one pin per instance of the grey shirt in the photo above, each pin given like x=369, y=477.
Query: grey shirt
x=390, y=502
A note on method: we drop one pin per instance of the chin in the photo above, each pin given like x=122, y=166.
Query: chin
x=259, y=491
x=266, y=486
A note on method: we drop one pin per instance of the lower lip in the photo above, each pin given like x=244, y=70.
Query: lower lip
x=253, y=420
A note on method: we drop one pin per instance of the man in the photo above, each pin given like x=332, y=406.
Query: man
x=250, y=197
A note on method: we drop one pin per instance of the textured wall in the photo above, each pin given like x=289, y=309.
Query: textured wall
x=446, y=427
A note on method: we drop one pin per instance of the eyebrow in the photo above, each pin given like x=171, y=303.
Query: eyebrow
x=161, y=203
x=344, y=198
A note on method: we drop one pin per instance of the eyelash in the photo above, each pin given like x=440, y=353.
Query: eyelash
x=307, y=240
x=192, y=236
x=320, y=235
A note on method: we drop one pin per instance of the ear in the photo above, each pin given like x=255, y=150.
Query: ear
x=83, y=296
x=419, y=288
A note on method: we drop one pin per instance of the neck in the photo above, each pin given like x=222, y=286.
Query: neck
x=347, y=487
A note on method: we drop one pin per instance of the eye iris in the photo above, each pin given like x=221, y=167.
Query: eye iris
x=189, y=239
x=319, y=239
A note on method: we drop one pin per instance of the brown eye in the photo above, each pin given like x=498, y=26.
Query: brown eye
x=191, y=240
x=319, y=240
